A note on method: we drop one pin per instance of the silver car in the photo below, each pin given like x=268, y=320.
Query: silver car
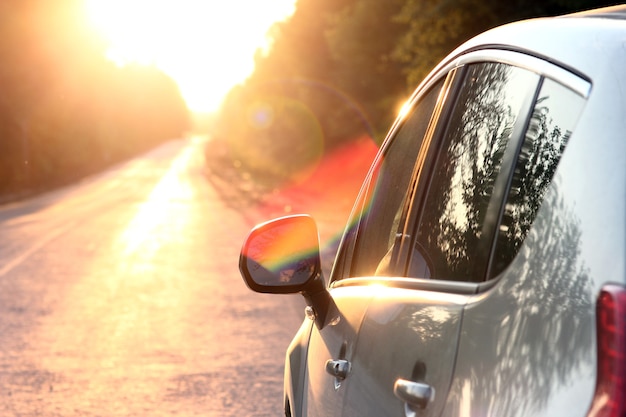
x=483, y=271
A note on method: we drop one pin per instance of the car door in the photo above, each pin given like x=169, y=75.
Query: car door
x=526, y=344
x=404, y=358
x=379, y=208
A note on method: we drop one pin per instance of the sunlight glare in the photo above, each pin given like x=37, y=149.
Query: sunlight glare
x=206, y=47
x=405, y=109
x=158, y=209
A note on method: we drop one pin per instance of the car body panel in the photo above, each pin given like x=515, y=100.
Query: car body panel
x=406, y=334
x=295, y=369
x=531, y=339
x=323, y=393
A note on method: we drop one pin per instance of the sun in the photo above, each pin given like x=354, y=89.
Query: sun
x=207, y=47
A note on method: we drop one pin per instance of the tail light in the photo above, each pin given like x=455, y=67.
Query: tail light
x=610, y=396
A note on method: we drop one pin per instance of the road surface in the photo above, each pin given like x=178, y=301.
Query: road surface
x=121, y=296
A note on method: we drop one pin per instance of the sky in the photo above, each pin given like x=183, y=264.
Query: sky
x=206, y=46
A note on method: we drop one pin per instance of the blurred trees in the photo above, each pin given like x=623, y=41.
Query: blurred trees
x=436, y=27
x=337, y=69
x=351, y=64
x=66, y=111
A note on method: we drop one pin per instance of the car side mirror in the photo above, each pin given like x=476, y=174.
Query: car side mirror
x=282, y=256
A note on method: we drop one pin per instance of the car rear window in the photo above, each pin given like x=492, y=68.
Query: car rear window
x=554, y=116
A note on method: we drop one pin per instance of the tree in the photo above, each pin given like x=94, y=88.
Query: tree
x=436, y=27
x=361, y=39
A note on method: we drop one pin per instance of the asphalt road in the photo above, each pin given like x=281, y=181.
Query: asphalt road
x=121, y=296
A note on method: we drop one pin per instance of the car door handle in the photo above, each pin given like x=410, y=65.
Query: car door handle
x=416, y=394
x=338, y=368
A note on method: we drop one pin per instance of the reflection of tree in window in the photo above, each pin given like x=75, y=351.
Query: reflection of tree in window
x=550, y=127
x=469, y=162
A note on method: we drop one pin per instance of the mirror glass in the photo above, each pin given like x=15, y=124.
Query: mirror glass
x=283, y=252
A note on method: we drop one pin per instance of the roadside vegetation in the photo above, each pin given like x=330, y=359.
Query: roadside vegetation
x=65, y=110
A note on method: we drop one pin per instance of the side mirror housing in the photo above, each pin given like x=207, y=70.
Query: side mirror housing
x=282, y=256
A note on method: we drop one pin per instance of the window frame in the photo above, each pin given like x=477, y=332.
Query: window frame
x=344, y=262
x=424, y=165
x=544, y=70
x=423, y=169
x=499, y=192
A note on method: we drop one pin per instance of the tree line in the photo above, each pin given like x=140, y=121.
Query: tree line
x=65, y=110
x=342, y=68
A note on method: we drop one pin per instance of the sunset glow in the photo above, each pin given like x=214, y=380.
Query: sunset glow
x=206, y=47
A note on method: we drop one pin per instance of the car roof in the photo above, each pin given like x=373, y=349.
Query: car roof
x=586, y=43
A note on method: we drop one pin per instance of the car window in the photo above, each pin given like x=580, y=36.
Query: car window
x=387, y=192
x=452, y=241
x=554, y=115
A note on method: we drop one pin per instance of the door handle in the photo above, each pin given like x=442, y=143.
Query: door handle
x=339, y=369
x=414, y=394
